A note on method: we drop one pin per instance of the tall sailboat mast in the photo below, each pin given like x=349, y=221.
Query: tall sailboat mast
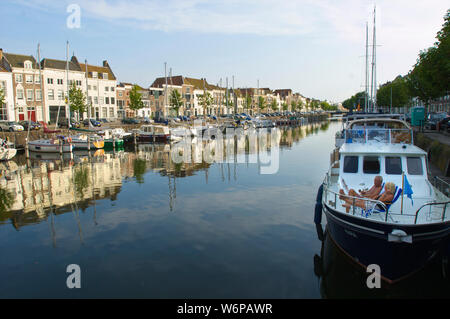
x=373, y=94
x=366, y=94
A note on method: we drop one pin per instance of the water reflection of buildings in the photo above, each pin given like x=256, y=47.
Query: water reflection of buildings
x=56, y=186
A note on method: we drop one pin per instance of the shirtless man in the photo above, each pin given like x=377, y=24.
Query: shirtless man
x=372, y=193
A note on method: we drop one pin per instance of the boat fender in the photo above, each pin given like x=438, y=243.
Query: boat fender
x=399, y=236
x=318, y=208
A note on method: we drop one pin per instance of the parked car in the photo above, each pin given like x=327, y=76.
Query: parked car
x=33, y=125
x=64, y=122
x=10, y=126
x=93, y=122
x=433, y=119
x=444, y=125
x=130, y=120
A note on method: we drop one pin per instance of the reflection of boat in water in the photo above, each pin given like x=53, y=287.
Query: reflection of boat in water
x=75, y=155
x=7, y=151
x=400, y=235
x=340, y=277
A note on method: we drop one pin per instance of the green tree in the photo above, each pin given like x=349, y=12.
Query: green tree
x=206, y=100
x=248, y=102
x=77, y=100
x=353, y=101
x=274, y=105
x=7, y=199
x=261, y=103
x=2, y=97
x=176, y=101
x=293, y=105
x=284, y=106
x=396, y=90
x=429, y=77
x=300, y=105
x=136, y=102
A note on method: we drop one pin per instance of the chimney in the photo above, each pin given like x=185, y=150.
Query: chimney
x=105, y=64
x=1, y=55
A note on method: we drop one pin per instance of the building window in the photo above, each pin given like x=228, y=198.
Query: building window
x=29, y=78
x=37, y=79
x=49, y=81
x=38, y=95
x=89, y=87
x=60, y=81
x=3, y=112
x=113, y=101
x=60, y=95
x=112, y=88
x=94, y=75
x=51, y=95
x=106, y=100
x=104, y=112
x=120, y=94
x=95, y=99
x=111, y=112
x=30, y=95
x=105, y=76
x=106, y=88
x=27, y=65
x=19, y=78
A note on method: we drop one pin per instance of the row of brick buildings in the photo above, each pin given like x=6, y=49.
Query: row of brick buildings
x=37, y=90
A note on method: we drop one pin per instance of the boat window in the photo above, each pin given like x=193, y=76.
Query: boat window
x=393, y=165
x=414, y=165
x=350, y=164
x=371, y=165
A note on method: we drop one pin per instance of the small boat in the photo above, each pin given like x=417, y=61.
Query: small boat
x=153, y=133
x=400, y=236
x=80, y=142
x=114, y=138
x=54, y=145
x=7, y=150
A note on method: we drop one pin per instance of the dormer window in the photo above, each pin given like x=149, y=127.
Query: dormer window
x=94, y=75
x=105, y=76
x=28, y=65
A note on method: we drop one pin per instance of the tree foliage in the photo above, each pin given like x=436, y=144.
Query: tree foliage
x=2, y=96
x=136, y=102
x=261, y=102
x=398, y=89
x=77, y=100
x=175, y=101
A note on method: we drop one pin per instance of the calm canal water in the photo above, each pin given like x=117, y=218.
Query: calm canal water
x=141, y=226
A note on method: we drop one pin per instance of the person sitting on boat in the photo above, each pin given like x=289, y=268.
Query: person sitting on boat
x=372, y=193
x=386, y=197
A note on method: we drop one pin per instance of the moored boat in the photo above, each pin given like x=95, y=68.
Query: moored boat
x=84, y=142
x=153, y=133
x=402, y=234
x=53, y=145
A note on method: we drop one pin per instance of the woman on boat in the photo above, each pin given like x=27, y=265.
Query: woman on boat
x=386, y=197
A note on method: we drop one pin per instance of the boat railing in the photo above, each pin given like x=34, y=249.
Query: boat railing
x=432, y=205
x=388, y=136
x=354, y=201
x=441, y=185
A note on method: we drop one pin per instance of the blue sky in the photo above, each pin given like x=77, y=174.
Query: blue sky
x=314, y=47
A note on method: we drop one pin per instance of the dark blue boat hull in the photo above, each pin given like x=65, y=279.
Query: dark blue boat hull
x=368, y=242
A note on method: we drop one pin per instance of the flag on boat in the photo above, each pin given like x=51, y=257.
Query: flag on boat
x=408, y=190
